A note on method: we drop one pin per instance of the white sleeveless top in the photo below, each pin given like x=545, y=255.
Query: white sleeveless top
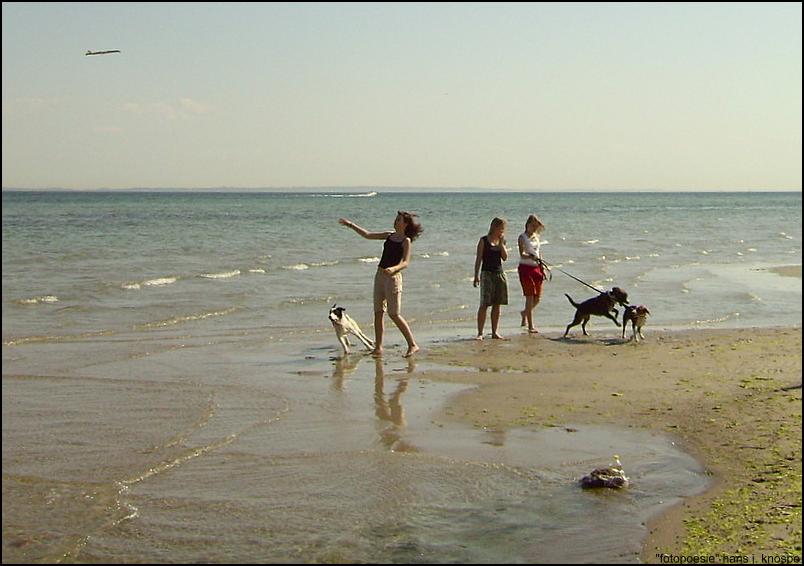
x=530, y=245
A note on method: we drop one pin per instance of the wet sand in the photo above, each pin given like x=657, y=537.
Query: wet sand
x=158, y=458
x=788, y=271
x=732, y=398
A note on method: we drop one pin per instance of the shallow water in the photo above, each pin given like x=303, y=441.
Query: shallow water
x=271, y=451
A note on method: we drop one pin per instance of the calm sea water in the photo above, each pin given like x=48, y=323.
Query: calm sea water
x=169, y=392
x=90, y=263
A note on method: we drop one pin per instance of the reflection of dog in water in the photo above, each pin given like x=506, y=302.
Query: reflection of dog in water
x=344, y=367
x=345, y=325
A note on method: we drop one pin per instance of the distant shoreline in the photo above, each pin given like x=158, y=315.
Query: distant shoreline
x=394, y=190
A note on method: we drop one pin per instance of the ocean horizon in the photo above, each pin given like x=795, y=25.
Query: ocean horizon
x=346, y=189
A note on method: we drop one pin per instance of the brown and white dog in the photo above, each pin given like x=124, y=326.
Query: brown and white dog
x=637, y=315
x=602, y=305
x=345, y=325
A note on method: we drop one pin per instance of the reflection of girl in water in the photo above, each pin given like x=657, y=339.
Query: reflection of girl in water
x=390, y=410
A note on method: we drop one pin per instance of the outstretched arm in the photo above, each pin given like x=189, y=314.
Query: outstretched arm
x=363, y=232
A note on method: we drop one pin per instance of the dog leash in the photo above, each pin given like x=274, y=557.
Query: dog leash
x=576, y=279
x=572, y=276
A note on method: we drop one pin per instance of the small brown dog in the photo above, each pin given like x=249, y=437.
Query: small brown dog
x=637, y=316
x=602, y=305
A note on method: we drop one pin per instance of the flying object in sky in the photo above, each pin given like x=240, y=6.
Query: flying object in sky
x=102, y=52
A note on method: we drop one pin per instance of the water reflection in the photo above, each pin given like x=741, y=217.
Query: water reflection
x=344, y=367
x=389, y=410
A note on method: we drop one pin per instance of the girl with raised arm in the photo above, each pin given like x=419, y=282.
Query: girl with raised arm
x=396, y=256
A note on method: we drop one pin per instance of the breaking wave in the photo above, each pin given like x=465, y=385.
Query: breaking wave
x=186, y=318
x=39, y=300
x=223, y=275
x=347, y=195
x=159, y=282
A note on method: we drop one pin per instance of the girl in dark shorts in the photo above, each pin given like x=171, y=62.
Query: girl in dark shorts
x=388, y=279
x=491, y=252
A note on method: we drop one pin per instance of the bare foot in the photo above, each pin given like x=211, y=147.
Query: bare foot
x=377, y=352
x=411, y=350
x=479, y=337
x=498, y=337
x=522, y=314
x=533, y=331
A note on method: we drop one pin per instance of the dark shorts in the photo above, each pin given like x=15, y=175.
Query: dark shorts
x=531, y=278
x=493, y=288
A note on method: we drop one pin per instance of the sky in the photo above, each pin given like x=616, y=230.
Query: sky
x=516, y=96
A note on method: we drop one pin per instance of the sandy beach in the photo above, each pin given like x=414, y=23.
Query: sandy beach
x=731, y=398
x=788, y=270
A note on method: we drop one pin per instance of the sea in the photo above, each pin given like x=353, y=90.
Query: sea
x=173, y=390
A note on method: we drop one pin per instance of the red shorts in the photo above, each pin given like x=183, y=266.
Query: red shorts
x=531, y=277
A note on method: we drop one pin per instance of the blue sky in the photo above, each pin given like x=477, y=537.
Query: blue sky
x=517, y=96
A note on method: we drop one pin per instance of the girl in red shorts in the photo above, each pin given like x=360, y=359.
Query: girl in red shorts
x=531, y=271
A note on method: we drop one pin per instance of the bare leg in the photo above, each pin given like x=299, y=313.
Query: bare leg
x=495, y=322
x=536, y=299
x=530, y=304
x=481, y=320
x=379, y=329
x=404, y=328
x=526, y=312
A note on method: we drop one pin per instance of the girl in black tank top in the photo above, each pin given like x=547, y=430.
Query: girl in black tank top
x=493, y=285
x=392, y=252
x=396, y=255
x=492, y=256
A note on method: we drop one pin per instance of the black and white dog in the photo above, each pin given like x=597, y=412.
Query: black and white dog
x=345, y=325
x=637, y=316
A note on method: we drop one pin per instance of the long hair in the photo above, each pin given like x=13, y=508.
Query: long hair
x=534, y=218
x=412, y=228
x=496, y=223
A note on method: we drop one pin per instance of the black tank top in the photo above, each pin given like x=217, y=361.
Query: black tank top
x=391, y=253
x=492, y=256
